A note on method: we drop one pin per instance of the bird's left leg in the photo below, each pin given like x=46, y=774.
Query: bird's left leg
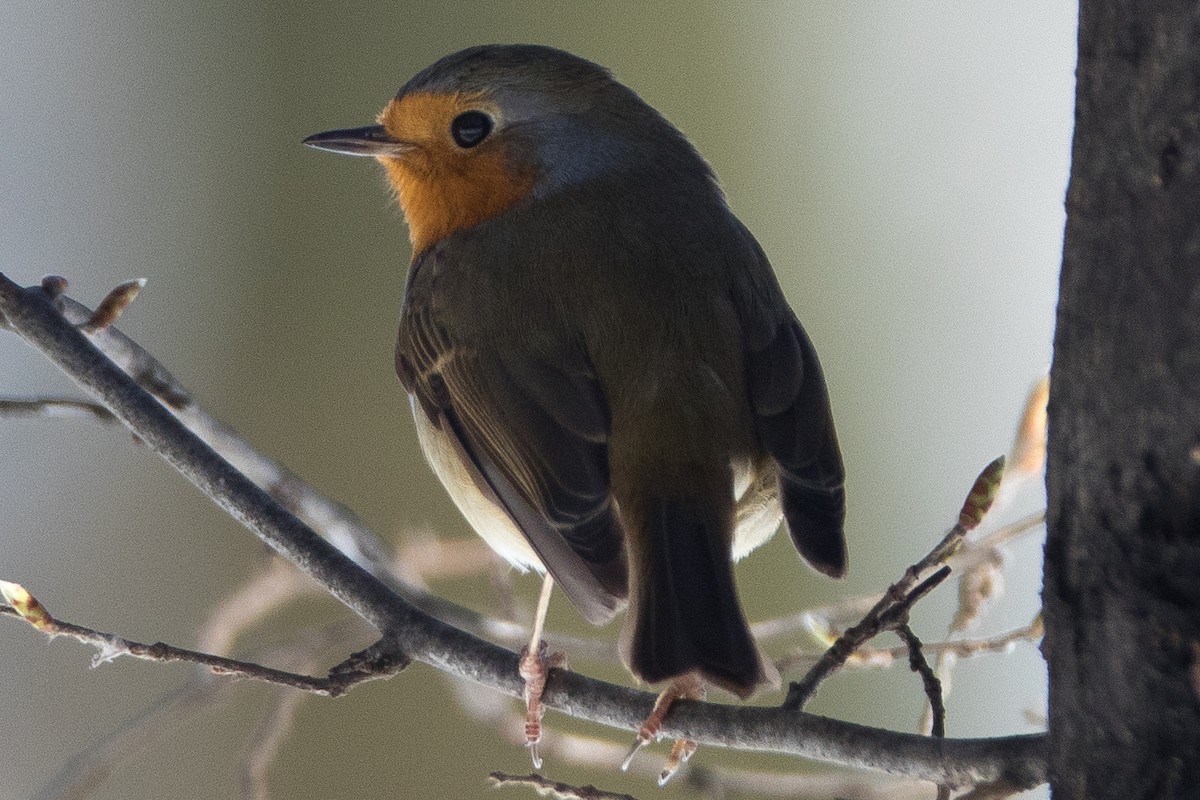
x=689, y=687
x=536, y=663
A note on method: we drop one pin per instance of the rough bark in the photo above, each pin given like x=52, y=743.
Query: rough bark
x=1122, y=581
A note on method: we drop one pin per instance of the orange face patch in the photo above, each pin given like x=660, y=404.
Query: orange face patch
x=442, y=187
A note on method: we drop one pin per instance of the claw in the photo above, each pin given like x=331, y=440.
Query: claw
x=680, y=753
x=638, y=743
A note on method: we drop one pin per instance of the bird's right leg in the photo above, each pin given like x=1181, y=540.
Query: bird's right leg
x=535, y=666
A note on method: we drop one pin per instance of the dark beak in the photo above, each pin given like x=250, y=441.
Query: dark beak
x=371, y=140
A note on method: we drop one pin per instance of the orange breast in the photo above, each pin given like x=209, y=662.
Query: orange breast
x=443, y=188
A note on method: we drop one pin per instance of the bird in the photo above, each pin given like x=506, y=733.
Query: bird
x=602, y=367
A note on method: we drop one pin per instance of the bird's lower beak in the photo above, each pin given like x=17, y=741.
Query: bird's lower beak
x=371, y=140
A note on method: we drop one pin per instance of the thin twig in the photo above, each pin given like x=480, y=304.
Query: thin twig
x=971, y=553
x=933, y=687
x=866, y=657
x=559, y=789
x=900, y=595
x=974, y=550
x=340, y=680
x=54, y=407
x=933, y=690
x=977, y=586
x=33, y=314
x=983, y=579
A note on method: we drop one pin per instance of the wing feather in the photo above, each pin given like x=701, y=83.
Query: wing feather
x=792, y=415
x=533, y=431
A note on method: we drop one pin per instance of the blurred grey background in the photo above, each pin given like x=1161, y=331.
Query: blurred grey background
x=903, y=165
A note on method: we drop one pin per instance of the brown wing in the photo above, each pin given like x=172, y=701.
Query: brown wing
x=533, y=432
x=792, y=415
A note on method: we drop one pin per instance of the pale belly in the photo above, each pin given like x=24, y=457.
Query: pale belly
x=489, y=520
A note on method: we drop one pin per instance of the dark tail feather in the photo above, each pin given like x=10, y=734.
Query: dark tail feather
x=688, y=616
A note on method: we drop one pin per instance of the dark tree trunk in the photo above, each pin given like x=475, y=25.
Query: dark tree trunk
x=1122, y=581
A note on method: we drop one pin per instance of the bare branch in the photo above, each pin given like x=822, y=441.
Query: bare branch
x=983, y=579
x=971, y=553
x=544, y=786
x=933, y=687
x=900, y=596
x=33, y=314
x=974, y=550
x=866, y=657
x=54, y=407
x=360, y=667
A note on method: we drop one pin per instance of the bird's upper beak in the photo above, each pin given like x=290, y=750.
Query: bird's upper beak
x=371, y=140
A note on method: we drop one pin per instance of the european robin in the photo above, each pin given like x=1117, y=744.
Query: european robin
x=602, y=367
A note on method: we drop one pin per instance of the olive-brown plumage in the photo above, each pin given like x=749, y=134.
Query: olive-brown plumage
x=604, y=371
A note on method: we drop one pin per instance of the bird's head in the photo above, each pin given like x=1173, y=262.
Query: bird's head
x=489, y=127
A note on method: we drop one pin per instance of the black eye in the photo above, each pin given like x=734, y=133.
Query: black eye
x=470, y=128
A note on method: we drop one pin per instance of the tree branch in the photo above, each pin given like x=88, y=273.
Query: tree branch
x=893, y=607
x=343, y=677
x=33, y=314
